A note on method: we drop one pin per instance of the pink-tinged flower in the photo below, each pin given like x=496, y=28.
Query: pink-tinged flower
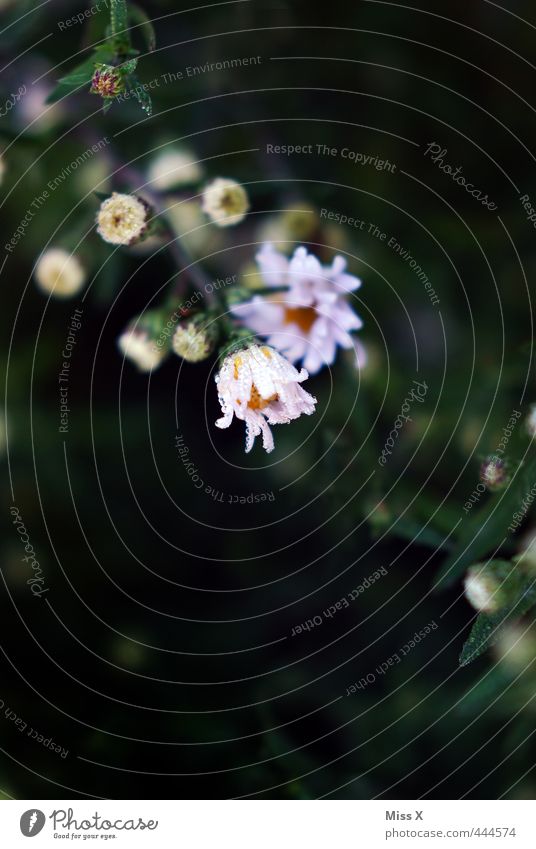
x=107, y=81
x=311, y=319
x=260, y=387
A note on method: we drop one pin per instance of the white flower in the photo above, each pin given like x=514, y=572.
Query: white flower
x=309, y=321
x=59, y=273
x=260, y=387
x=174, y=168
x=136, y=344
x=122, y=219
x=225, y=202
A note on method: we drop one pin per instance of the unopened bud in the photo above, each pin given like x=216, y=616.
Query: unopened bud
x=122, y=219
x=494, y=474
x=143, y=342
x=516, y=645
x=491, y=586
x=195, y=338
x=107, y=81
x=530, y=421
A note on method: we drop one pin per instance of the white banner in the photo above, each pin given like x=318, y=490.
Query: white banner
x=268, y=824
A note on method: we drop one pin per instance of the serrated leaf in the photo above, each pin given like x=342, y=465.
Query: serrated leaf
x=485, y=529
x=486, y=629
x=143, y=23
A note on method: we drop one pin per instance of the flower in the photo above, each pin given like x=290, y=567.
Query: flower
x=107, y=81
x=193, y=340
x=174, y=168
x=261, y=387
x=494, y=474
x=483, y=589
x=122, y=219
x=225, y=202
x=59, y=273
x=138, y=345
x=312, y=318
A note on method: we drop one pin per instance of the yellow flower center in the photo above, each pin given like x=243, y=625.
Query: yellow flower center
x=257, y=402
x=304, y=317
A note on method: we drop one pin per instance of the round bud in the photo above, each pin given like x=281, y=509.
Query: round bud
x=194, y=339
x=494, y=474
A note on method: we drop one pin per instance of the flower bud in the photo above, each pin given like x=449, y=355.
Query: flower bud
x=516, y=645
x=59, y=273
x=491, y=586
x=195, y=339
x=143, y=342
x=494, y=474
x=122, y=219
x=107, y=81
x=225, y=202
x=530, y=421
x=174, y=168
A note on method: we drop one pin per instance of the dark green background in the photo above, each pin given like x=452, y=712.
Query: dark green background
x=162, y=657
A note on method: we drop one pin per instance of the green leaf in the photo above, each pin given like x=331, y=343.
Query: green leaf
x=135, y=87
x=78, y=77
x=140, y=20
x=118, y=16
x=485, y=530
x=128, y=67
x=486, y=629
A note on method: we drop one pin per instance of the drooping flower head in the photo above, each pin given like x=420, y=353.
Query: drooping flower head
x=225, y=202
x=122, y=219
x=260, y=387
x=107, y=81
x=310, y=320
x=59, y=273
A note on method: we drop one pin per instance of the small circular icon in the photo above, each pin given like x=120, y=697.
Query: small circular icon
x=31, y=822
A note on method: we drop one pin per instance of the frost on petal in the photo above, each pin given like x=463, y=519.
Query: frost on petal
x=260, y=387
